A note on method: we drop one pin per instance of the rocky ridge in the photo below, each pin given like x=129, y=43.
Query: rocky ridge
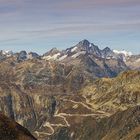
x=73, y=97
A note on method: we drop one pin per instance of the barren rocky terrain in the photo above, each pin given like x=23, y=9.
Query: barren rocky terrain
x=93, y=95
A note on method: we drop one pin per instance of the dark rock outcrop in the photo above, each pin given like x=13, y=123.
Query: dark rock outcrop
x=10, y=130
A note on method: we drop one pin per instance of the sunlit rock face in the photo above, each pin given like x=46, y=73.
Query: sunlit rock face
x=76, y=95
x=53, y=100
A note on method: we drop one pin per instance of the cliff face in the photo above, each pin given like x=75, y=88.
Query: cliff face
x=10, y=130
x=56, y=100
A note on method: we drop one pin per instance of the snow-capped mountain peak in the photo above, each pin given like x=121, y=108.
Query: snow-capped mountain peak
x=82, y=48
x=123, y=52
x=7, y=53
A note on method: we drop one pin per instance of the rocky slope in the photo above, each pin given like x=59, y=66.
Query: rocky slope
x=110, y=111
x=72, y=94
x=123, y=125
x=55, y=102
x=108, y=62
x=10, y=130
x=133, y=62
x=84, y=47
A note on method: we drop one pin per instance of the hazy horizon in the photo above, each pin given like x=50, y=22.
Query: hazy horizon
x=39, y=25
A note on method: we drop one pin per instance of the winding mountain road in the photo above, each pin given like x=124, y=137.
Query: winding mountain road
x=64, y=116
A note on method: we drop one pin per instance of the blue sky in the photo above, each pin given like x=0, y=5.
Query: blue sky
x=39, y=25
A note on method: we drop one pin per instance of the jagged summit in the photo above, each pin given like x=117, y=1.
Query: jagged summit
x=23, y=55
x=4, y=54
x=52, y=51
x=79, y=51
x=107, y=49
x=84, y=42
x=108, y=53
x=52, y=54
x=82, y=48
x=58, y=95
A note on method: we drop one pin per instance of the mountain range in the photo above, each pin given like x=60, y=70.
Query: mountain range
x=78, y=93
x=108, y=62
x=84, y=47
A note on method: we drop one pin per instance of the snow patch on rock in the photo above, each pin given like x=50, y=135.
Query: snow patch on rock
x=63, y=57
x=77, y=54
x=49, y=57
x=73, y=49
x=123, y=52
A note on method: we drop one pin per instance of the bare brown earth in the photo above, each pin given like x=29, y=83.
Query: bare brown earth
x=61, y=101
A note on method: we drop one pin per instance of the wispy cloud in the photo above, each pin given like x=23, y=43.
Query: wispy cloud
x=31, y=20
x=9, y=40
x=9, y=8
x=70, y=29
x=85, y=4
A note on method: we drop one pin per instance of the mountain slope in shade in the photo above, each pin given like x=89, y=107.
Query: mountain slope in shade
x=85, y=47
x=10, y=130
x=73, y=95
x=81, y=50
